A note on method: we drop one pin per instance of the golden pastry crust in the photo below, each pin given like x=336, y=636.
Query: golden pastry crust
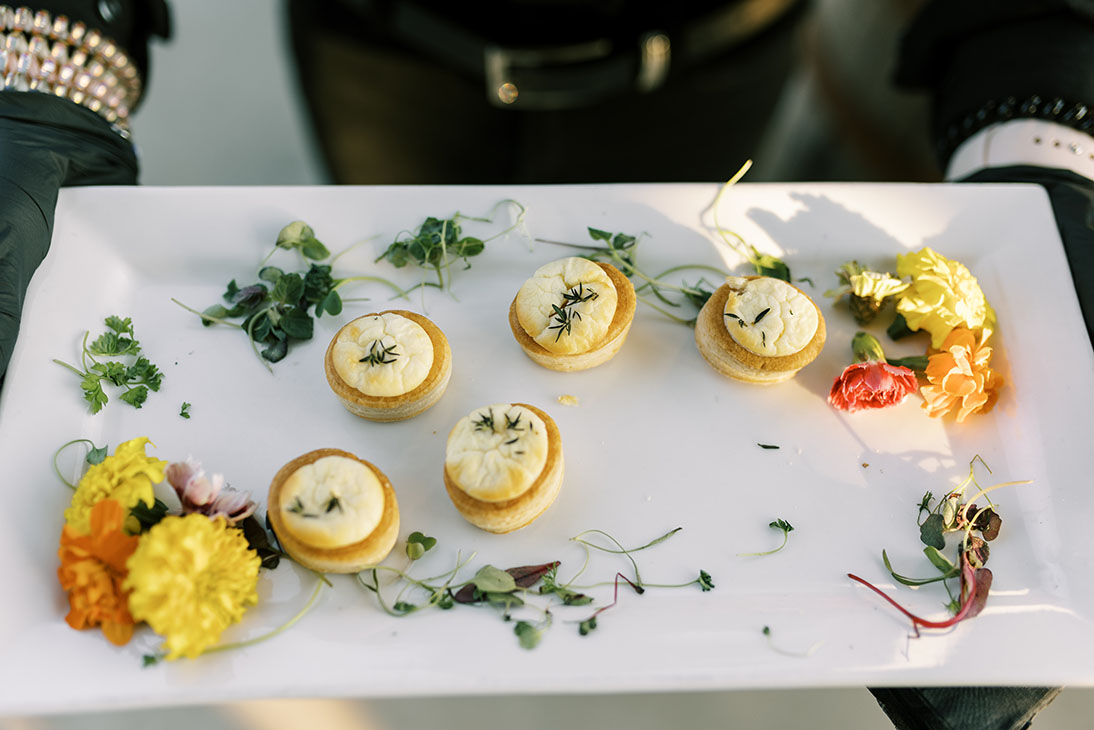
x=604, y=350
x=513, y=514
x=346, y=559
x=395, y=407
x=728, y=357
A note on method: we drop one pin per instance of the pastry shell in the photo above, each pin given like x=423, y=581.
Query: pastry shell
x=346, y=559
x=520, y=511
x=728, y=357
x=605, y=349
x=395, y=407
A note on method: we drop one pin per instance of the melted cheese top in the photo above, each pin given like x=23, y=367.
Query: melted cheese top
x=396, y=351
x=332, y=502
x=497, y=452
x=768, y=316
x=584, y=294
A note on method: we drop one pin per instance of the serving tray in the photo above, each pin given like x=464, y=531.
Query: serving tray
x=657, y=440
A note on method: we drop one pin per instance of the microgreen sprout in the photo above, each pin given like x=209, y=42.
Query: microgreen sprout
x=763, y=264
x=511, y=592
x=955, y=512
x=778, y=524
x=438, y=244
x=95, y=455
x=418, y=545
x=620, y=250
x=137, y=376
x=277, y=310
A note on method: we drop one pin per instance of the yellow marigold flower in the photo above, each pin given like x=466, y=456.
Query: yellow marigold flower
x=943, y=295
x=191, y=577
x=127, y=477
x=959, y=377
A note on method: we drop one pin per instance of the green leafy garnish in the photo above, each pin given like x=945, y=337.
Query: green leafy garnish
x=763, y=264
x=439, y=243
x=778, y=524
x=620, y=250
x=418, y=545
x=184, y=411
x=136, y=377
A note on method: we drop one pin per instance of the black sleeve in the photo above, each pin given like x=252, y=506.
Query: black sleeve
x=991, y=60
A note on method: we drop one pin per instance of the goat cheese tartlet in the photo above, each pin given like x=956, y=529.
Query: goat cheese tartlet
x=333, y=512
x=759, y=329
x=503, y=466
x=388, y=366
x=573, y=314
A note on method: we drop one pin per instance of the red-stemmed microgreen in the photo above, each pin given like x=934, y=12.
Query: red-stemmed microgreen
x=955, y=512
x=509, y=591
x=777, y=524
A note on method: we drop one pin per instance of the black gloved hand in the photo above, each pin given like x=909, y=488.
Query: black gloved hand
x=45, y=143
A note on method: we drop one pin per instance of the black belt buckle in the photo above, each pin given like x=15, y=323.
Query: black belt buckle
x=568, y=76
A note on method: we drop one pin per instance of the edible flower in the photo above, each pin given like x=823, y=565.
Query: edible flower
x=92, y=570
x=868, y=290
x=127, y=476
x=191, y=578
x=871, y=382
x=959, y=377
x=210, y=497
x=943, y=295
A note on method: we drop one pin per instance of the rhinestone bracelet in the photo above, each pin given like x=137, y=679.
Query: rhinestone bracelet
x=39, y=52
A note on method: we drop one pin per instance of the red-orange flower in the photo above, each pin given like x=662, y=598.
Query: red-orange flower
x=92, y=570
x=864, y=385
x=959, y=377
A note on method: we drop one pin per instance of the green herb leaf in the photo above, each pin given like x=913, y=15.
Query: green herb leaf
x=767, y=446
x=148, y=516
x=930, y=532
x=598, y=235
x=418, y=545
x=528, y=634
x=493, y=580
x=940, y=561
x=184, y=411
x=136, y=396
x=96, y=455
x=899, y=328
x=150, y=660
x=296, y=323
x=270, y=274
x=587, y=626
x=705, y=581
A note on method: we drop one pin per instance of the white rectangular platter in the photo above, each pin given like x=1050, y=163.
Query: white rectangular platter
x=658, y=441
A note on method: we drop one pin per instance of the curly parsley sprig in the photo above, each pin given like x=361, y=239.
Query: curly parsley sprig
x=135, y=373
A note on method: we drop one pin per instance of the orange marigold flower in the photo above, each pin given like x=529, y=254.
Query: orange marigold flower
x=92, y=570
x=959, y=377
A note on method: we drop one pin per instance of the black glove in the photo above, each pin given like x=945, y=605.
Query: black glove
x=45, y=143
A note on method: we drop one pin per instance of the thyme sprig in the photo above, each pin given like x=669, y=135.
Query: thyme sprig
x=621, y=250
x=954, y=513
x=381, y=356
